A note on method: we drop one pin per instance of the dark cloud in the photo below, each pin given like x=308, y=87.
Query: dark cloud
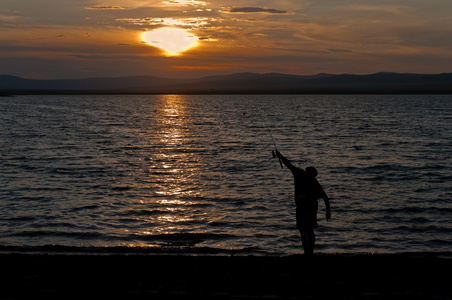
x=255, y=10
x=340, y=50
x=103, y=7
x=89, y=56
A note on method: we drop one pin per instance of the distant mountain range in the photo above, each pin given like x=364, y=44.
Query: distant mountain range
x=242, y=83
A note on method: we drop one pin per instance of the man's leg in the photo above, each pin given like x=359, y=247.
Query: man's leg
x=312, y=242
x=308, y=240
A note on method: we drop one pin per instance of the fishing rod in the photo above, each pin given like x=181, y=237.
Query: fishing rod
x=273, y=140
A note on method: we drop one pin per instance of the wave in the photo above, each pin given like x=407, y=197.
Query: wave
x=422, y=229
x=111, y=250
x=21, y=219
x=182, y=238
x=191, y=235
x=417, y=209
x=56, y=233
x=86, y=207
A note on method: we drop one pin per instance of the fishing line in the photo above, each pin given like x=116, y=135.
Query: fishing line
x=271, y=136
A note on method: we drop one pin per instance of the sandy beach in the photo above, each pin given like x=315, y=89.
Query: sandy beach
x=359, y=276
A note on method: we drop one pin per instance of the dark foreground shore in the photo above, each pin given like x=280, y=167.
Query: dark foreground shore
x=398, y=276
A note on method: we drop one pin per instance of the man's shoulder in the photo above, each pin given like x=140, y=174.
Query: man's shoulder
x=298, y=171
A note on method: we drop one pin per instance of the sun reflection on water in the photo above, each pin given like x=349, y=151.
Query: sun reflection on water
x=172, y=171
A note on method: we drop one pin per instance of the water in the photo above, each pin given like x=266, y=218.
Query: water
x=194, y=174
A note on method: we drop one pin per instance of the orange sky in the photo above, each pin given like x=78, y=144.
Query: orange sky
x=91, y=38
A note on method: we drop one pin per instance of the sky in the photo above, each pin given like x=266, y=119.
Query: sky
x=52, y=39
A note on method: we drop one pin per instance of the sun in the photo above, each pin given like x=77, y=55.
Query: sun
x=172, y=40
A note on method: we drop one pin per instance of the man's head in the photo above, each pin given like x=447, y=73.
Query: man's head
x=311, y=171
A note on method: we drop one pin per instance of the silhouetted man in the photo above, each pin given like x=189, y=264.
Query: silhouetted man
x=307, y=191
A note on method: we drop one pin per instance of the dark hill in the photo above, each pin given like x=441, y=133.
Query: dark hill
x=238, y=83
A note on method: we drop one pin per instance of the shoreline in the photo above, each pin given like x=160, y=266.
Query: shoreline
x=353, y=276
x=165, y=250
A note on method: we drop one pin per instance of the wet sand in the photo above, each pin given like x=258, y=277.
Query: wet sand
x=359, y=276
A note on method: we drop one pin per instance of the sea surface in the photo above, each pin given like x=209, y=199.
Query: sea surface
x=194, y=174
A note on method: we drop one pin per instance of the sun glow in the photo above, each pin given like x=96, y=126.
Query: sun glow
x=172, y=40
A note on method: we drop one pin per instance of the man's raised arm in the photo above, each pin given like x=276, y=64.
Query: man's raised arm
x=285, y=161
